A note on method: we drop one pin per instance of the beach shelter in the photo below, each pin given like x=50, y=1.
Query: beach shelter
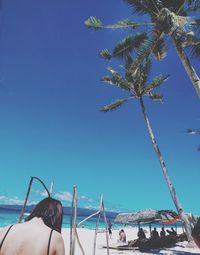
x=148, y=216
x=140, y=217
x=168, y=217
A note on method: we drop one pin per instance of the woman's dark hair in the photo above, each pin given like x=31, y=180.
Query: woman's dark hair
x=51, y=212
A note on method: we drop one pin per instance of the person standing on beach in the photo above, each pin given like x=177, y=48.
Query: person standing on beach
x=110, y=228
x=174, y=233
x=40, y=234
x=154, y=233
x=162, y=232
x=141, y=234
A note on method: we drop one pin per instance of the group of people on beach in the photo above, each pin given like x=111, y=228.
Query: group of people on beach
x=154, y=233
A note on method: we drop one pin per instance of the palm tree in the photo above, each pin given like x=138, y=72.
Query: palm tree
x=138, y=87
x=166, y=19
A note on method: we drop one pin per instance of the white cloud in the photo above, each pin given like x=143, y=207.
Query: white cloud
x=10, y=200
x=83, y=197
x=90, y=200
x=64, y=196
x=44, y=193
x=90, y=207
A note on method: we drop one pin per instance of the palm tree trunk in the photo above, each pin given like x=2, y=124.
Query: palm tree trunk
x=165, y=172
x=188, y=67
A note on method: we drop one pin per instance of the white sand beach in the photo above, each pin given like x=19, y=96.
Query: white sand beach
x=87, y=238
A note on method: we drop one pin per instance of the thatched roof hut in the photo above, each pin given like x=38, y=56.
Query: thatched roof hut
x=147, y=216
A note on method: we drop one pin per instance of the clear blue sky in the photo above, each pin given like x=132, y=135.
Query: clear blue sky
x=51, y=127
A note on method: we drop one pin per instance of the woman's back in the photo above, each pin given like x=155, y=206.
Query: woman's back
x=31, y=238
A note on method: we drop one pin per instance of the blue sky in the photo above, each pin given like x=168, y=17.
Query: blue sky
x=51, y=126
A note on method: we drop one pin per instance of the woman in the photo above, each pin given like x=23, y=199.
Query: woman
x=122, y=236
x=39, y=235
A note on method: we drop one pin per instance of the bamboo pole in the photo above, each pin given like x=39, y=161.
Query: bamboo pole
x=71, y=222
x=97, y=224
x=45, y=187
x=106, y=227
x=79, y=243
x=96, y=231
x=176, y=227
x=89, y=217
x=25, y=202
x=28, y=193
x=150, y=229
x=51, y=188
x=75, y=218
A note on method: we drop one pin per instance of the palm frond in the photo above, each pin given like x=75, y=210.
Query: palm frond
x=105, y=54
x=196, y=26
x=114, y=105
x=160, y=49
x=127, y=45
x=124, y=24
x=93, y=22
x=157, y=81
x=141, y=7
x=173, y=5
x=195, y=49
x=96, y=23
x=142, y=53
x=156, y=97
x=117, y=80
x=145, y=70
x=112, y=70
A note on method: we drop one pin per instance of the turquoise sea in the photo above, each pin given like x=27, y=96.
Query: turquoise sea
x=10, y=215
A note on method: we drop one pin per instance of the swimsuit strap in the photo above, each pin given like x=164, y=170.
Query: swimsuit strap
x=5, y=236
x=49, y=242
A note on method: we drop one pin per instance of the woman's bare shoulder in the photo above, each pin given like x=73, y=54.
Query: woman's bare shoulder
x=57, y=236
x=3, y=232
x=58, y=243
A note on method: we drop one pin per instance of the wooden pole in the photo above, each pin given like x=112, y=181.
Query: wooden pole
x=28, y=193
x=25, y=202
x=106, y=227
x=92, y=215
x=150, y=229
x=95, y=235
x=176, y=226
x=75, y=218
x=45, y=187
x=97, y=225
x=71, y=223
x=182, y=227
x=51, y=188
x=79, y=243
